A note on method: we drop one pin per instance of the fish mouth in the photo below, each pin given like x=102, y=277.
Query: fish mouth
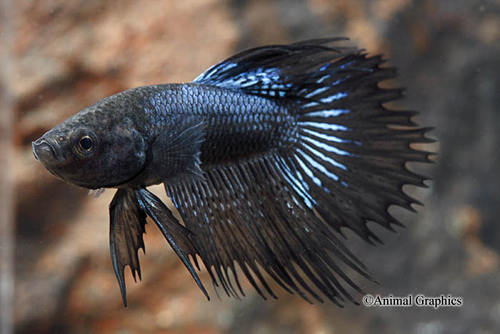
x=46, y=150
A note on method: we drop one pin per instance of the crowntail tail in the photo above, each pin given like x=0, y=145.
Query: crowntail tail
x=279, y=213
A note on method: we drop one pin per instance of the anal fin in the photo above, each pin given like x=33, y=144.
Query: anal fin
x=179, y=237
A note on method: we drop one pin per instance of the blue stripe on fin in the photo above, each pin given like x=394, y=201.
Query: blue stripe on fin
x=324, y=157
x=310, y=104
x=317, y=91
x=327, y=113
x=297, y=185
x=327, y=137
x=333, y=97
x=324, y=126
x=308, y=171
x=323, y=78
x=326, y=147
x=318, y=166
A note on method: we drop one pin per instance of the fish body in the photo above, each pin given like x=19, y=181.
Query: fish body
x=266, y=155
x=233, y=125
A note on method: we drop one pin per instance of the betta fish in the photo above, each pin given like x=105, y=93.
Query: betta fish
x=267, y=156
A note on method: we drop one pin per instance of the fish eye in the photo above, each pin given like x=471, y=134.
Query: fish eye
x=86, y=143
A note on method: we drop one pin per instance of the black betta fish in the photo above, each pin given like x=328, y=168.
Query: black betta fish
x=266, y=156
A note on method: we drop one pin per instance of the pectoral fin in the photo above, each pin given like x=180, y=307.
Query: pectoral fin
x=176, y=152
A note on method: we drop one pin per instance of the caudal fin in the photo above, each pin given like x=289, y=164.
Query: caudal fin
x=352, y=152
x=349, y=163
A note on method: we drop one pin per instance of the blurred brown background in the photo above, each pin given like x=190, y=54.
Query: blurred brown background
x=65, y=55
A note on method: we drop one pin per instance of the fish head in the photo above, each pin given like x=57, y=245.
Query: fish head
x=98, y=147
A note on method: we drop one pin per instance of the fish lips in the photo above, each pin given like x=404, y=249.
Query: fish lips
x=47, y=151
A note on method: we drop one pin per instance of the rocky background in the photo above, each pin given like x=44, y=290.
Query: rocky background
x=68, y=54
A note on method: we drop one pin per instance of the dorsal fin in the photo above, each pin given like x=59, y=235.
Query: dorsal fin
x=274, y=70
